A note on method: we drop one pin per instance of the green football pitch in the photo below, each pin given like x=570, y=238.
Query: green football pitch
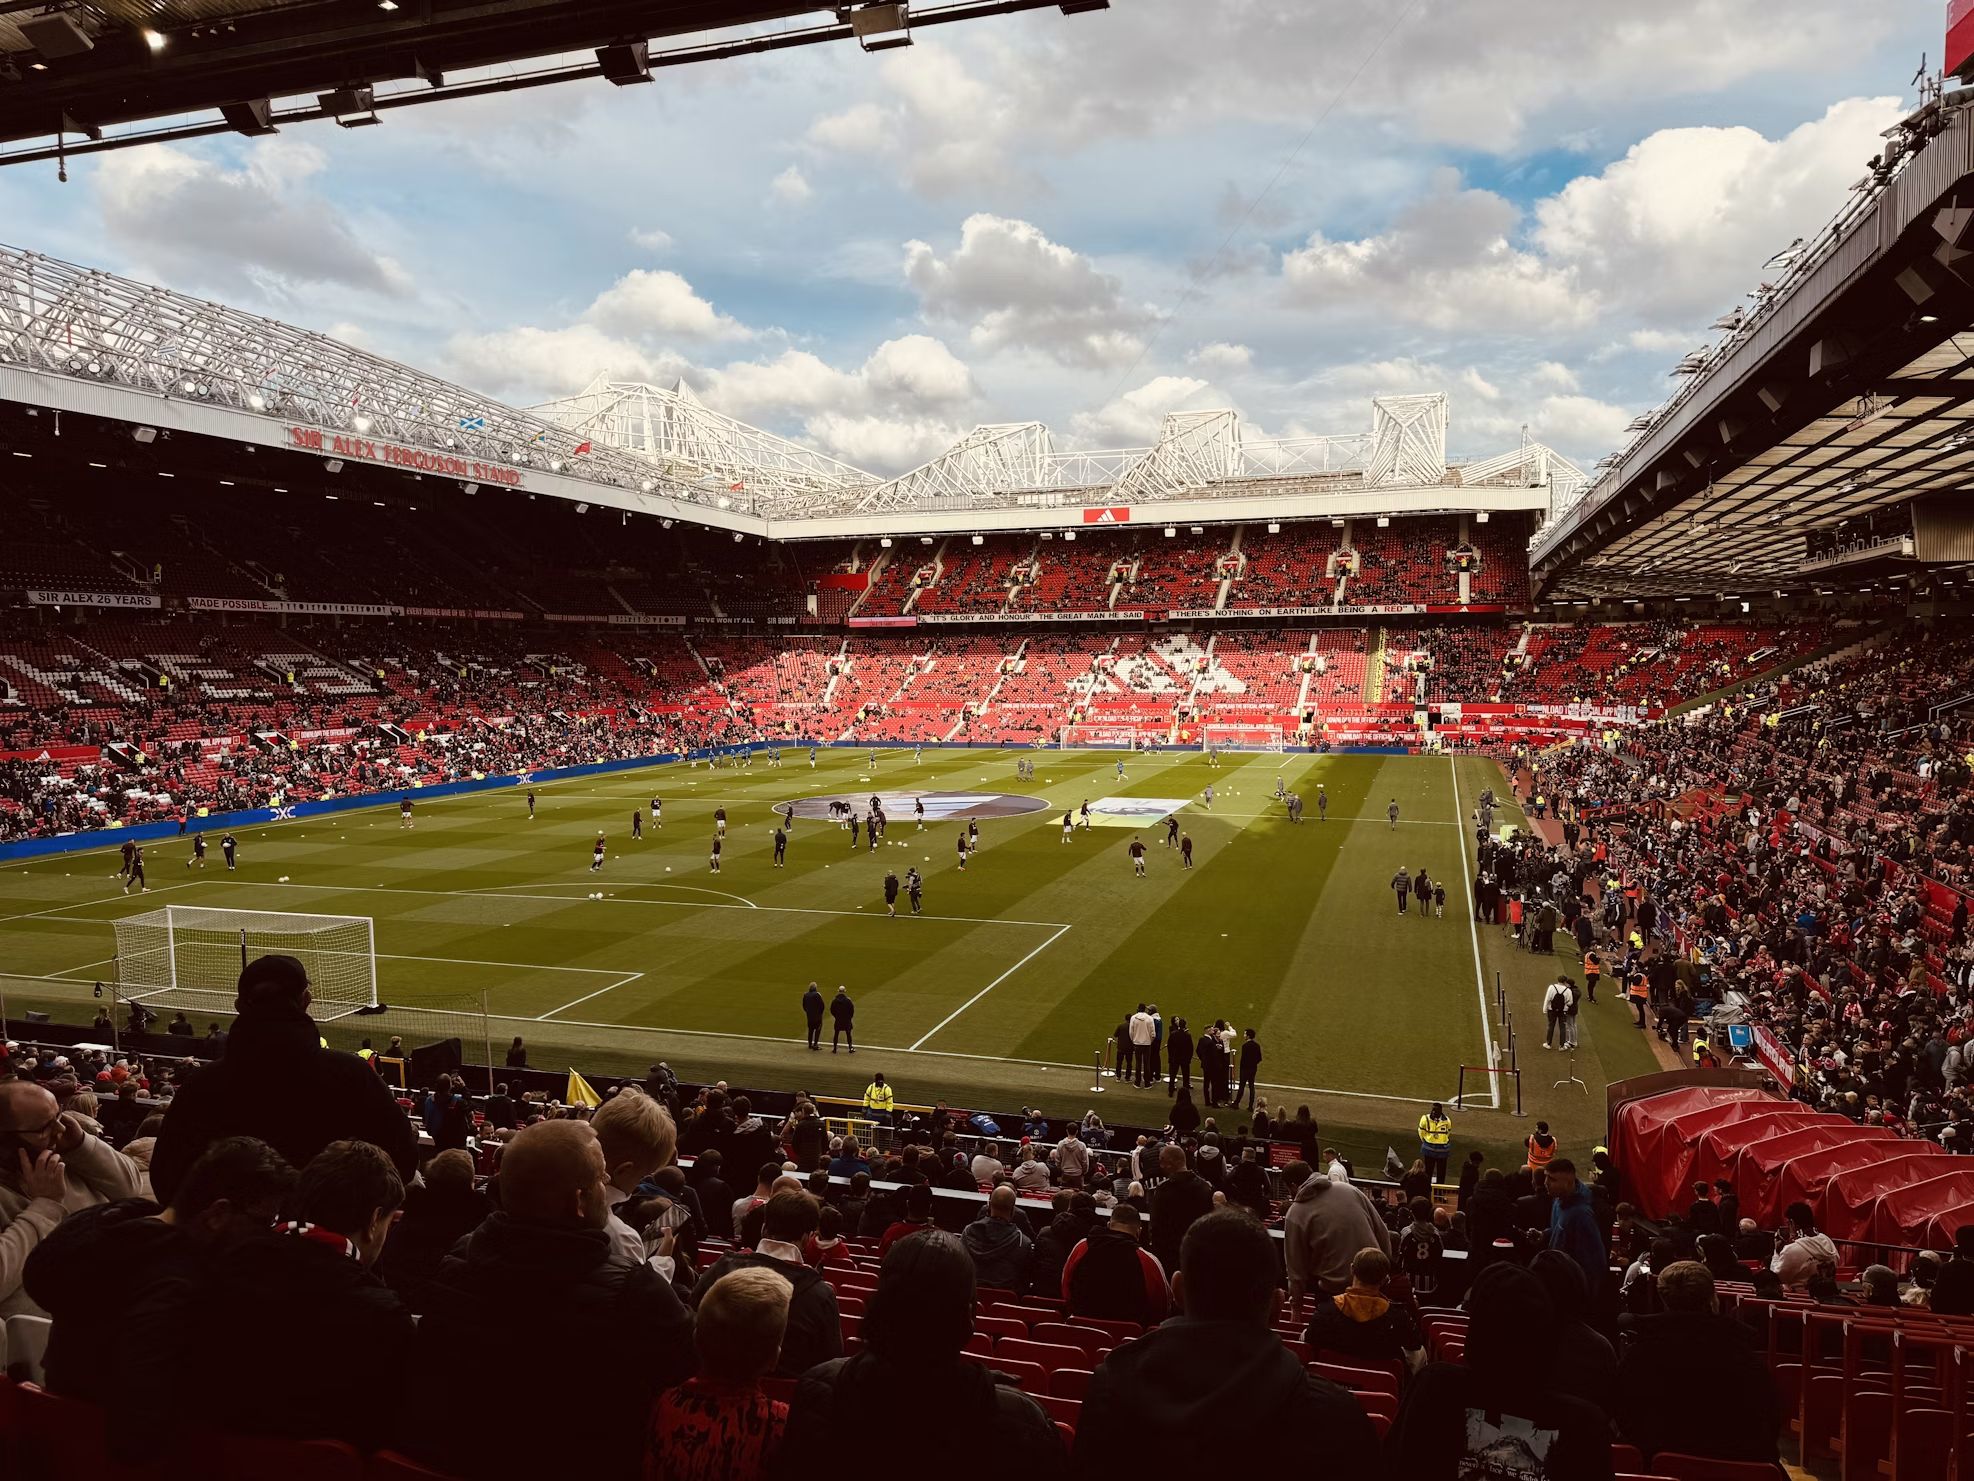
x=1001, y=993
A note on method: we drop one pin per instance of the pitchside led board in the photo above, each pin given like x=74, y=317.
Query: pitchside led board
x=1960, y=38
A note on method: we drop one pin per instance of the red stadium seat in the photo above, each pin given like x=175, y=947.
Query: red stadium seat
x=255, y=1457
x=1028, y=1376
x=56, y=1436
x=1369, y=1380
x=1626, y=1458
x=1376, y=1403
x=1117, y=1330
x=1049, y=1355
x=1699, y=1468
x=1070, y=1383
x=1092, y=1340
x=980, y=1345
x=1068, y=1433
x=999, y=1326
x=1064, y=1410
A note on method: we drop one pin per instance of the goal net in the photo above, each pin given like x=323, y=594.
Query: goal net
x=1112, y=736
x=190, y=956
x=1242, y=738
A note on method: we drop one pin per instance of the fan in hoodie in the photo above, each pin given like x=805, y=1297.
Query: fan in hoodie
x=1497, y=1417
x=1362, y=1322
x=1326, y=1225
x=1001, y=1252
x=1213, y=1391
x=1800, y=1249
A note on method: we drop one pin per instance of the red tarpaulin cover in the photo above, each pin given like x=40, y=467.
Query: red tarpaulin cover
x=1941, y=1227
x=1803, y=1179
x=1715, y=1151
x=1902, y=1215
x=1756, y=1172
x=1637, y=1119
x=1848, y=1198
x=1664, y=1183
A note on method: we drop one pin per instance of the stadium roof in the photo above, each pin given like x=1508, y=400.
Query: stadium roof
x=76, y=340
x=1845, y=392
x=113, y=73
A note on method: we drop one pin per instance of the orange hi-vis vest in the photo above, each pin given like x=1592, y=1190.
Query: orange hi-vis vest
x=1538, y=1155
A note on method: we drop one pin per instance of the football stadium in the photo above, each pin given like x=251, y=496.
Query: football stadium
x=1328, y=828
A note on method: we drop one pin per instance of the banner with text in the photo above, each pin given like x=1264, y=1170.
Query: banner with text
x=397, y=455
x=43, y=597
x=1133, y=615
x=304, y=609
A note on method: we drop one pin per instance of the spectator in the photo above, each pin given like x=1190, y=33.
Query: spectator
x=1327, y=1223
x=538, y=1277
x=276, y=1082
x=1072, y=1158
x=1419, y=1249
x=1497, y=1415
x=50, y=1168
x=1362, y=1322
x=1075, y=1216
x=813, y=1333
x=638, y=1138
x=517, y=1054
x=1953, y=1292
x=1108, y=1275
x=720, y=1425
x=1181, y=1196
x=1690, y=1349
x=1247, y=1184
x=1574, y=1230
x=1585, y=1365
x=1751, y=1244
x=1031, y=1174
x=829, y=1248
x=986, y=1164
x=1881, y=1285
x=124, y=1116
x=910, y=1372
x=344, y=1370
x=715, y=1197
x=103, y=1269
x=917, y=1216
x=750, y=1141
x=849, y=1161
x=1800, y=1252
x=1212, y=1391
x=764, y=1187
x=1001, y=1252
x=438, y=1212
x=748, y=1234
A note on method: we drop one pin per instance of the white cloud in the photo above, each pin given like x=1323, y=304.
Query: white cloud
x=790, y=188
x=525, y=364
x=1577, y=422
x=197, y=223
x=883, y=444
x=1673, y=233
x=1221, y=356
x=1134, y=419
x=659, y=303
x=1554, y=376
x=944, y=130
x=1016, y=289
x=1479, y=384
x=651, y=238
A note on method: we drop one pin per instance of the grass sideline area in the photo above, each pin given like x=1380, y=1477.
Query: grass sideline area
x=1001, y=993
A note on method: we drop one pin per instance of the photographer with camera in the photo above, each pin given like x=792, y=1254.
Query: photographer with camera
x=49, y=1168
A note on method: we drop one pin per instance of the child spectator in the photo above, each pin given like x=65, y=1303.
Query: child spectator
x=1362, y=1322
x=721, y=1425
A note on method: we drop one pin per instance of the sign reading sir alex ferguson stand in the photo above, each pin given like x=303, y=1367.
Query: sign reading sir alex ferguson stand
x=398, y=455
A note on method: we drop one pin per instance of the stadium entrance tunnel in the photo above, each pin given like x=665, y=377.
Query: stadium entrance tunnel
x=939, y=806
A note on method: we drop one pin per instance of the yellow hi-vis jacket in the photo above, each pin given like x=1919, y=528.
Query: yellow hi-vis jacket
x=1435, y=1132
x=878, y=1097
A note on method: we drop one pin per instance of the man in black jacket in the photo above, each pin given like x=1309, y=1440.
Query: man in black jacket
x=1687, y=1349
x=1178, y=1057
x=1181, y=1196
x=814, y=1333
x=843, y=1017
x=1075, y=1217
x=301, y=1337
x=538, y=1276
x=1250, y=1066
x=812, y=1012
x=277, y=1083
x=1213, y=1391
x=102, y=1269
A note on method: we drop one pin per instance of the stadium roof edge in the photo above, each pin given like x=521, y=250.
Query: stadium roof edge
x=1829, y=398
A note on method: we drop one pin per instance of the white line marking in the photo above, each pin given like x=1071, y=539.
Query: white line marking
x=363, y=889
x=610, y=987
x=990, y=987
x=467, y=961
x=557, y=884
x=55, y=910
x=1473, y=931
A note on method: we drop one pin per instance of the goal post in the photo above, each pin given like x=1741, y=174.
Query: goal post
x=191, y=956
x=1099, y=735
x=1224, y=737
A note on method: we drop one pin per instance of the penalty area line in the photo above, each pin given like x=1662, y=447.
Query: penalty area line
x=1037, y=951
x=610, y=987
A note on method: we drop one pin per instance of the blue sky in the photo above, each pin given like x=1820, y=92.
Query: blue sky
x=1521, y=202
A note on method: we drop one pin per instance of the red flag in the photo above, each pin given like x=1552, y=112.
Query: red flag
x=581, y=448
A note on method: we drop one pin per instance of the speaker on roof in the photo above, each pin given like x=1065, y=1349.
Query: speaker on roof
x=251, y=118
x=625, y=64
x=54, y=36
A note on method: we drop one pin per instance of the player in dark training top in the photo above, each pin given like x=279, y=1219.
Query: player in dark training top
x=198, y=851
x=136, y=872
x=229, y=848
x=781, y=848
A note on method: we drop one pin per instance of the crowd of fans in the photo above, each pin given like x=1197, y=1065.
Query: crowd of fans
x=672, y=1256
x=1798, y=856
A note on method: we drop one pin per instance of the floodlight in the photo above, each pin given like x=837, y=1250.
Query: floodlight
x=1274, y=527
x=144, y=434
x=334, y=465
x=1170, y=532
x=1481, y=517
x=979, y=539
x=1384, y=521
x=881, y=27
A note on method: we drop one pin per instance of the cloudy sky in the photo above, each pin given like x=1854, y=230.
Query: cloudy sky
x=1284, y=206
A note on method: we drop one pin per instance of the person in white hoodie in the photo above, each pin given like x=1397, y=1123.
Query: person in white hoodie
x=1799, y=1249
